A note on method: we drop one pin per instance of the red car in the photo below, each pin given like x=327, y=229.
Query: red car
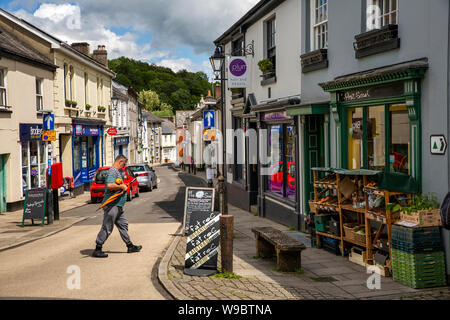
x=98, y=184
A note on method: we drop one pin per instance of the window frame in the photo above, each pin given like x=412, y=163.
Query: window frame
x=316, y=5
x=39, y=96
x=387, y=137
x=3, y=76
x=376, y=19
x=270, y=40
x=284, y=164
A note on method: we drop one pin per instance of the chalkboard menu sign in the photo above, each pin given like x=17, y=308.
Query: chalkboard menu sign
x=198, y=200
x=202, y=244
x=35, y=205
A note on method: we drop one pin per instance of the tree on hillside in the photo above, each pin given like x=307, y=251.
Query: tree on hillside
x=150, y=100
x=181, y=90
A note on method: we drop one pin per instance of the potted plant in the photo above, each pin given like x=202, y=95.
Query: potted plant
x=101, y=109
x=68, y=103
x=74, y=104
x=88, y=106
x=267, y=68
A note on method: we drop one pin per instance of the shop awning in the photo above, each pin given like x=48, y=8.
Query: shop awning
x=397, y=72
x=309, y=109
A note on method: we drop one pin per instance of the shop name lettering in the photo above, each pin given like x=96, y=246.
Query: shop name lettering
x=199, y=224
x=356, y=95
x=35, y=131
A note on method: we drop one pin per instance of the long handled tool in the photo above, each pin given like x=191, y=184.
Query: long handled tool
x=116, y=195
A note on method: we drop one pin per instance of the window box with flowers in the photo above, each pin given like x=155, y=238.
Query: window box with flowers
x=268, y=70
x=101, y=109
x=71, y=104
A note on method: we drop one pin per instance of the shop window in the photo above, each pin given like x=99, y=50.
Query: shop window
x=376, y=138
x=371, y=138
x=319, y=28
x=355, y=137
x=76, y=154
x=2, y=87
x=399, y=140
x=281, y=147
x=39, y=99
x=381, y=13
x=34, y=165
x=238, y=147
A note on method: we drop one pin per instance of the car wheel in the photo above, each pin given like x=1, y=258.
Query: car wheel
x=129, y=196
x=93, y=200
x=137, y=193
x=150, y=186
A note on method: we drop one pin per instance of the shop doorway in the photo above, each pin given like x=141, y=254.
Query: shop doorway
x=2, y=183
x=253, y=168
x=314, y=152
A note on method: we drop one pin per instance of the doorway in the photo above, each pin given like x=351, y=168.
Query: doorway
x=2, y=183
x=313, y=153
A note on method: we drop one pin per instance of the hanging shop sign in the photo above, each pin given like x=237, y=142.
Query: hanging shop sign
x=30, y=132
x=111, y=131
x=391, y=90
x=238, y=72
x=79, y=130
x=438, y=144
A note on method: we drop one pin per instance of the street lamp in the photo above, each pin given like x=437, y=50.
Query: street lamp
x=217, y=60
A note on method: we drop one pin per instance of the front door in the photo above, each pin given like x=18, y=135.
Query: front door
x=252, y=166
x=2, y=183
x=313, y=152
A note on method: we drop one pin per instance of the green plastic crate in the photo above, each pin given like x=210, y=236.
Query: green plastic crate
x=417, y=258
x=413, y=235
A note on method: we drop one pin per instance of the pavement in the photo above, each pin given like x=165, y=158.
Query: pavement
x=12, y=234
x=324, y=276
x=60, y=266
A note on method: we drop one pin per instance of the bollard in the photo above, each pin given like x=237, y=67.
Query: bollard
x=55, y=204
x=226, y=242
x=223, y=195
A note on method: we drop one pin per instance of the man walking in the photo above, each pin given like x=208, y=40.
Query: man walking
x=113, y=212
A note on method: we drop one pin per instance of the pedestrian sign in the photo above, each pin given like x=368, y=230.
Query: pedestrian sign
x=438, y=144
x=48, y=135
x=208, y=118
x=49, y=121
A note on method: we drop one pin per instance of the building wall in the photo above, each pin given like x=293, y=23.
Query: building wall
x=21, y=96
x=423, y=32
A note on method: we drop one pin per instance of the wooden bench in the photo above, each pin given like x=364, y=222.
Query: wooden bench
x=270, y=241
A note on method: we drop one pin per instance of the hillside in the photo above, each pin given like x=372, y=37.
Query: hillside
x=181, y=90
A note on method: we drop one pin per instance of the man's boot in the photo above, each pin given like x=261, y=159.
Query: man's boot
x=132, y=248
x=98, y=253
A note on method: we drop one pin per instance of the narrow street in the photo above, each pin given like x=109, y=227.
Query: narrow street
x=39, y=269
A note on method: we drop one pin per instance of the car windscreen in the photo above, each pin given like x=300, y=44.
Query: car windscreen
x=137, y=168
x=100, y=177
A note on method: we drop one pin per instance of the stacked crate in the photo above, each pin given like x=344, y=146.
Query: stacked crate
x=418, y=257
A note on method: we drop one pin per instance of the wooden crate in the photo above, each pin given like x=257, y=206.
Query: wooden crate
x=357, y=258
x=423, y=218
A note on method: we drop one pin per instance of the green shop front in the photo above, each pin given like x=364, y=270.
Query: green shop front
x=377, y=119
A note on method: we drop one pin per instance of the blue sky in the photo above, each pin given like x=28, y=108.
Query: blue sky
x=177, y=34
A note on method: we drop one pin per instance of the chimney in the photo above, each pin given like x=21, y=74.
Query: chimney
x=82, y=47
x=101, y=55
x=217, y=91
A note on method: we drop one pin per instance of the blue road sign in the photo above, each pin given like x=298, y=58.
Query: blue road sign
x=49, y=121
x=208, y=118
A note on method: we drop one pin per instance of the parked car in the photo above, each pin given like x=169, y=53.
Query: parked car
x=98, y=184
x=146, y=176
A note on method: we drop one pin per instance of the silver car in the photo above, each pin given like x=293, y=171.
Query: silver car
x=146, y=176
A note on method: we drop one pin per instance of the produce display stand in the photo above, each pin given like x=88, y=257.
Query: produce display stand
x=330, y=187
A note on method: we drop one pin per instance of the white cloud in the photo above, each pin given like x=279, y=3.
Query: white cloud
x=171, y=23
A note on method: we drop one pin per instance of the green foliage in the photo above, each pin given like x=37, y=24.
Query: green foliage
x=265, y=65
x=299, y=271
x=163, y=113
x=420, y=202
x=150, y=99
x=181, y=90
x=292, y=228
x=227, y=275
x=88, y=106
